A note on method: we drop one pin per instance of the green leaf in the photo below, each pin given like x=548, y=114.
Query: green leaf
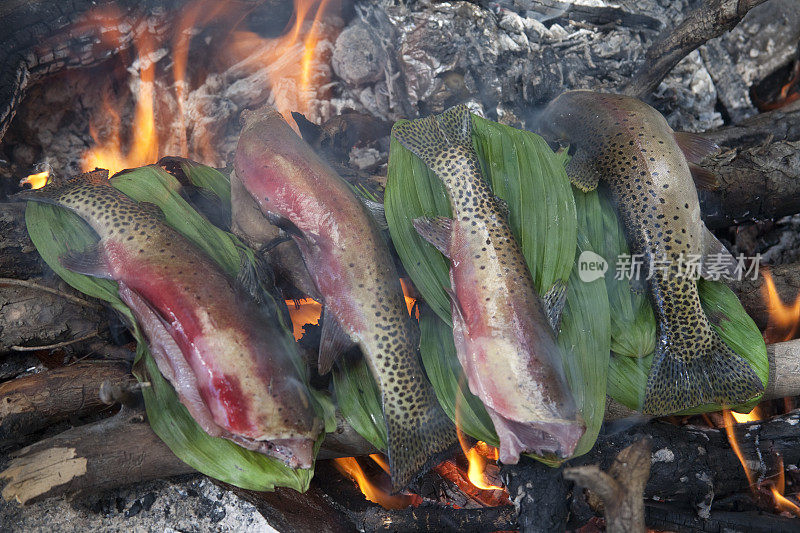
x=54, y=231
x=208, y=178
x=530, y=178
x=632, y=319
x=359, y=400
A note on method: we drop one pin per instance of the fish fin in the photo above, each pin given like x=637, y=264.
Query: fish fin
x=430, y=136
x=417, y=442
x=286, y=225
x=436, y=231
x=717, y=260
x=377, y=211
x=152, y=209
x=89, y=262
x=694, y=147
x=553, y=302
x=582, y=172
x=681, y=378
x=703, y=178
x=334, y=342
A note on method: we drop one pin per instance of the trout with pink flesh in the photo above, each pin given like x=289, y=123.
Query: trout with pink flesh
x=229, y=360
x=503, y=335
x=353, y=270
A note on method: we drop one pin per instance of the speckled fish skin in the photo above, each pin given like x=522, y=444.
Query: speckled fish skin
x=350, y=263
x=226, y=357
x=503, y=338
x=629, y=145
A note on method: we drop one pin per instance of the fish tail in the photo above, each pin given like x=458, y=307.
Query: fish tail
x=681, y=378
x=420, y=435
x=431, y=137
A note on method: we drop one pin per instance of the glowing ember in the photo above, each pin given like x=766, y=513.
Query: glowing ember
x=36, y=181
x=302, y=312
x=783, y=322
x=349, y=466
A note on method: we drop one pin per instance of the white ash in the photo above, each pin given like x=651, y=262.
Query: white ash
x=196, y=504
x=505, y=57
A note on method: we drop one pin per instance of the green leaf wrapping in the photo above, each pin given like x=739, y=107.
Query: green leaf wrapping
x=530, y=178
x=54, y=231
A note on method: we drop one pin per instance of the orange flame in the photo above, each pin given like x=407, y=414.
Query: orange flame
x=752, y=416
x=108, y=152
x=783, y=323
x=349, y=466
x=294, y=67
x=477, y=456
x=730, y=422
x=36, y=181
x=776, y=484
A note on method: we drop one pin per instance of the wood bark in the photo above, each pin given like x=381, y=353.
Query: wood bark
x=31, y=403
x=93, y=457
x=758, y=169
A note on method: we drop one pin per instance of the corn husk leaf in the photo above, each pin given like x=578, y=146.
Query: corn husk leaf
x=54, y=231
x=530, y=178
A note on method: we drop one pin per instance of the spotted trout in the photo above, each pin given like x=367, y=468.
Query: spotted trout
x=353, y=271
x=229, y=360
x=648, y=168
x=503, y=336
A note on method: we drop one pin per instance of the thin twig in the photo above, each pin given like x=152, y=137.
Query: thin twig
x=45, y=288
x=54, y=346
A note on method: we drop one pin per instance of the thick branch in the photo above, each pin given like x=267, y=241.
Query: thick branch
x=31, y=403
x=106, y=454
x=709, y=20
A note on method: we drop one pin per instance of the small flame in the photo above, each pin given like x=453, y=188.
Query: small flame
x=477, y=456
x=730, y=422
x=349, y=466
x=36, y=181
x=752, y=416
x=776, y=484
x=783, y=323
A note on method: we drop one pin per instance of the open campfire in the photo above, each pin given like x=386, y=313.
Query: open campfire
x=246, y=255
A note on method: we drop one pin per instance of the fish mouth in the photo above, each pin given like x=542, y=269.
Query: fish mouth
x=297, y=452
x=553, y=437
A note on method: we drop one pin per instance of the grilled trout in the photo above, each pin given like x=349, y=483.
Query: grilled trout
x=503, y=336
x=353, y=271
x=648, y=168
x=228, y=359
